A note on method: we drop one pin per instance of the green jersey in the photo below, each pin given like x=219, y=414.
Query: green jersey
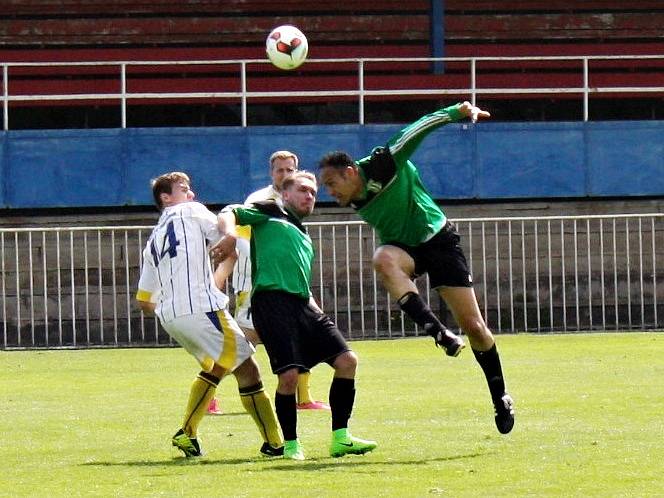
x=281, y=250
x=395, y=202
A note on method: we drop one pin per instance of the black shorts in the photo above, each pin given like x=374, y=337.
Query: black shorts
x=294, y=334
x=441, y=257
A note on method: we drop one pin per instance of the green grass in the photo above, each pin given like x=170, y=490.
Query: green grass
x=589, y=423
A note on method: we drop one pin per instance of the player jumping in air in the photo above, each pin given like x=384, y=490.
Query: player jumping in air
x=416, y=238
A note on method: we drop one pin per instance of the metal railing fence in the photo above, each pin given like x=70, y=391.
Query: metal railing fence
x=357, y=71
x=74, y=286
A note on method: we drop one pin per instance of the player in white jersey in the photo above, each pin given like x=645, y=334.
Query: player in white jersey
x=282, y=164
x=177, y=285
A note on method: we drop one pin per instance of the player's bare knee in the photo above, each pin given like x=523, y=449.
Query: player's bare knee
x=288, y=381
x=248, y=372
x=345, y=364
x=475, y=328
x=384, y=263
x=218, y=371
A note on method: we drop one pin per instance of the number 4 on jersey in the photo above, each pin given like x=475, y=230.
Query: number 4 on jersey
x=170, y=249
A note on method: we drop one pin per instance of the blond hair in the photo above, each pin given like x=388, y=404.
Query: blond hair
x=283, y=154
x=291, y=179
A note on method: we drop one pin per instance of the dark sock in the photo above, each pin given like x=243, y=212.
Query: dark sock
x=412, y=305
x=342, y=398
x=209, y=378
x=490, y=363
x=284, y=405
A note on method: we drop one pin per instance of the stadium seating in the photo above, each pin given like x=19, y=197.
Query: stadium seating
x=551, y=28
x=235, y=28
x=103, y=30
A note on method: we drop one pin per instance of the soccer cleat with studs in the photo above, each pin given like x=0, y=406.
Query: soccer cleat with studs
x=351, y=446
x=504, y=408
x=214, y=408
x=271, y=451
x=188, y=445
x=451, y=343
x=293, y=450
x=313, y=405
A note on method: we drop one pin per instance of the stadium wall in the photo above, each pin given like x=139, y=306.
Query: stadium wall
x=492, y=161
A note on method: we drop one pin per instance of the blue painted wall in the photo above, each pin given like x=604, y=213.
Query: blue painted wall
x=85, y=168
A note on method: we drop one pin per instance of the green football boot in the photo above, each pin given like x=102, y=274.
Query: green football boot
x=293, y=450
x=345, y=444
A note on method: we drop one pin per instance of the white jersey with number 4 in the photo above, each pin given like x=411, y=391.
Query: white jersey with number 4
x=176, y=273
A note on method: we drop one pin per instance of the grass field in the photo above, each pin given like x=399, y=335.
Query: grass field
x=590, y=422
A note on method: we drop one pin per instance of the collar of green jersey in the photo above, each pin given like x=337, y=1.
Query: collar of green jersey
x=274, y=210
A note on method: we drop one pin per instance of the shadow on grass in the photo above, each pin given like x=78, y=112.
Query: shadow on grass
x=351, y=461
x=281, y=464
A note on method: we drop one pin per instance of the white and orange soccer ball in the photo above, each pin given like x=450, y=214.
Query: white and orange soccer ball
x=286, y=47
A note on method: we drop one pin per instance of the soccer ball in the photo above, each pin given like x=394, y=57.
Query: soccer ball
x=286, y=47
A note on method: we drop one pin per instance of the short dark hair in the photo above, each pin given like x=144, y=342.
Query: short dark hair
x=337, y=159
x=163, y=184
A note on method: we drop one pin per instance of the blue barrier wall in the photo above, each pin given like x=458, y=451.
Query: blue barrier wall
x=85, y=168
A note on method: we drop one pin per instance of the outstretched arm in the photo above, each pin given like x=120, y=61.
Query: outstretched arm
x=472, y=111
x=403, y=144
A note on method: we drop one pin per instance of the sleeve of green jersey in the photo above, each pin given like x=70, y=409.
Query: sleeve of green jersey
x=249, y=216
x=403, y=144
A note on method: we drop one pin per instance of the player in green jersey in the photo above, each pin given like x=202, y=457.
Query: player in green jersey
x=297, y=335
x=415, y=236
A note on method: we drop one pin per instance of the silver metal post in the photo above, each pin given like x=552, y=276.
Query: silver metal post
x=123, y=93
x=243, y=85
x=5, y=97
x=360, y=76
x=586, y=90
